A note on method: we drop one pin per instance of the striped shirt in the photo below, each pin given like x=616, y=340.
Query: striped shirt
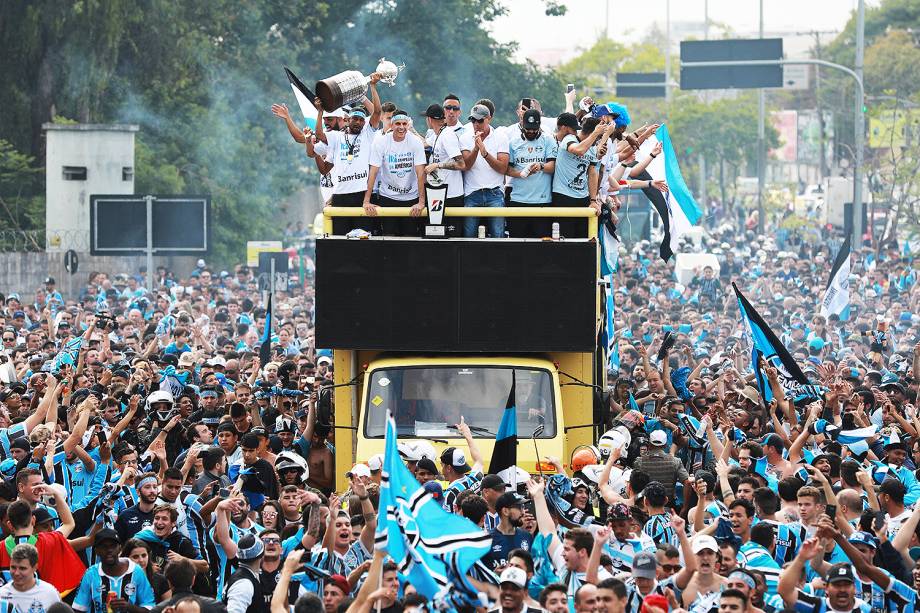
x=659, y=529
x=756, y=557
x=469, y=481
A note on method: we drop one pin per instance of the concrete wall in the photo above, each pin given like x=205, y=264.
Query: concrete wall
x=25, y=272
x=106, y=151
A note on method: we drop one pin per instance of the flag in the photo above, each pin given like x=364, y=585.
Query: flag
x=764, y=344
x=304, y=97
x=265, y=344
x=610, y=244
x=68, y=354
x=856, y=440
x=431, y=547
x=504, y=454
x=677, y=208
x=632, y=403
x=837, y=294
x=610, y=340
x=173, y=381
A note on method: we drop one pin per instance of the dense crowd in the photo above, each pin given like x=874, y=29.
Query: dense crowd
x=152, y=461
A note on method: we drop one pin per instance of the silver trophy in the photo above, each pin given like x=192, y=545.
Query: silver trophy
x=388, y=71
x=351, y=86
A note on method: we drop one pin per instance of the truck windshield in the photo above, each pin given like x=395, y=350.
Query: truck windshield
x=428, y=401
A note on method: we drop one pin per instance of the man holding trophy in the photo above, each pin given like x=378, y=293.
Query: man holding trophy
x=348, y=153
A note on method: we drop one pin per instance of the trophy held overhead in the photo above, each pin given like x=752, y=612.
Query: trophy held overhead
x=351, y=86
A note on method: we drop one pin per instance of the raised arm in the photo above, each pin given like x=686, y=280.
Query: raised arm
x=787, y=587
x=279, y=602
x=475, y=454
x=358, y=486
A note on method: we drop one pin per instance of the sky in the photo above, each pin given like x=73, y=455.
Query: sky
x=542, y=38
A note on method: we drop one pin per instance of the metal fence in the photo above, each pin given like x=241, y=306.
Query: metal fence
x=40, y=240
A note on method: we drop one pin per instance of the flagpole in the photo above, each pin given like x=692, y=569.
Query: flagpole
x=271, y=303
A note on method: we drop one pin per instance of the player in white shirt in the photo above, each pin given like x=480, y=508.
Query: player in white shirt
x=398, y=159
x=25, y=593
x=485, y=154
x=445, y=163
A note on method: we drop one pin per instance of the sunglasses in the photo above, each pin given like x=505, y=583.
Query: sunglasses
x=451, y=107
x=474, y=120
x=671, y=568
x=270, y=540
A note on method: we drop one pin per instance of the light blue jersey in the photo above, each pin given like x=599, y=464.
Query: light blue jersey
x=94, y=589
x=536, y=188
x=571, y=175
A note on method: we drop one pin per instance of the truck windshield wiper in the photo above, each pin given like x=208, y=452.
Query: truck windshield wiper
x=475, y=429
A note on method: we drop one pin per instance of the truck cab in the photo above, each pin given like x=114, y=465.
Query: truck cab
x=435, y=330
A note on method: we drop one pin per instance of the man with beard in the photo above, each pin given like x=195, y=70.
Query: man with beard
x=271, y=569
x=445, y=162
x=347, y=155
x=508, y=535
x=134, y=519
x=532, y=160
x=113, y=575
x=232, y=524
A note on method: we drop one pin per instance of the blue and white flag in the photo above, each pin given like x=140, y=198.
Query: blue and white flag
x=856, y=440
x=304, y=98
x=764, y=344
x=837, y=294
x=68, y=354
x=504, y=454
x=434, y=549
x=610, y=340
x=173, y=381
x=677, y=208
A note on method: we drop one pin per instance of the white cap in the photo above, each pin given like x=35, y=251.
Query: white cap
x=324, y=358
x=515, y=575
x=409, y=451
x=704, y=541
x=217, y=360
x=359, y=470
x=658, y=438
x=375, y=462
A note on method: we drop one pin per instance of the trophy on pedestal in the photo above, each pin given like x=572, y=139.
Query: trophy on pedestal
x=350, y=86
x=436, y=195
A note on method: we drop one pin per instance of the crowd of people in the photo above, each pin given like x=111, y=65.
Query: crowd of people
x=153, y=459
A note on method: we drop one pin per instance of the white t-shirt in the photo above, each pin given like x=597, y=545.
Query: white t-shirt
x=481, y=175
x=350, y=154
x=326, y=182
x=397, y=161
x=446, y=146
x=35, y=600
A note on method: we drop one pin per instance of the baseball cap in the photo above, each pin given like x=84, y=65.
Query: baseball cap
x=375, y=462
x=567, y=120
x=18, y=314
x=339, y=112
x=227, y=426
x=340, y=582
x=492, y=482
x=409, y=452
x=508, y=499
x=249, y=548
x=41, y=515
x=531, y=119
x=865, y=538
x=480, y=111
x=106, y=534
x=435, y=489
x=514, y=575
x=618, y=511
x=842, y=571
x=703, y=542
x=427, y=464
x=658, y=438
x=49, y=280
x=434, y=111
x=359, y=470
x=455, y=457
x=644, y=565
x=324, y=359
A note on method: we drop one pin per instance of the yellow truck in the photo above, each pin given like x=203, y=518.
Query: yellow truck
x=433, y=330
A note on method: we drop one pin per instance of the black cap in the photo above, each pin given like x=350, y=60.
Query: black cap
x=41, y=515
x=492, y=482
x=49, y=281
x=508, y=499
x=227, y=426
x=428, y=465
x=106, y=534
x=842, y=571
x=434, y=111
x=567, y=120
x=531, y=119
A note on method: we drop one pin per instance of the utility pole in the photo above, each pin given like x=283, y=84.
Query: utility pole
x=667, y=51
x=704, y=195
x=822, y=159
x=860, y=128
x=761, y=162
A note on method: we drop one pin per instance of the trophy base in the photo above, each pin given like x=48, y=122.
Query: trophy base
x=435, y=232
